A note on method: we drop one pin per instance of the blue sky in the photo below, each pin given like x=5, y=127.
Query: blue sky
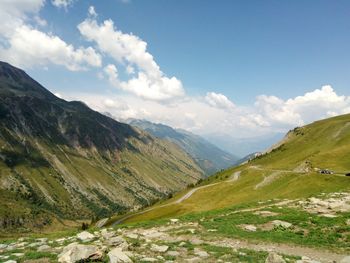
x=240, y=48
x=263, y=65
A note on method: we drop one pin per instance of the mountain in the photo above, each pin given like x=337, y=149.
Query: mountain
x=290, y=170
x=62, y=160
x=244, y=146
x=209, y=157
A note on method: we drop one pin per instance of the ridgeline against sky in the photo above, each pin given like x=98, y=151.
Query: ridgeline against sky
x=217, y=67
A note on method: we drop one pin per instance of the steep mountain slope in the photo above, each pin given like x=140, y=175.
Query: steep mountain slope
x=209, y=157
x=290, y=170
x=64, y=159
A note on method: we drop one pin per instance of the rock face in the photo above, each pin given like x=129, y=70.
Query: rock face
x=116, y=255
x=75, y=252
x=274, y=258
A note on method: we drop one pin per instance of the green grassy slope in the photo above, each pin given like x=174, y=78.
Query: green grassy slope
x=286, y=172
x=62, y=159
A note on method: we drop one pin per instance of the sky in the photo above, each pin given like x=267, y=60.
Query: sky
x=237, y=68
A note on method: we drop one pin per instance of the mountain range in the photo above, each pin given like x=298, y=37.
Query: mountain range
x=62, y=160
x=208, y=156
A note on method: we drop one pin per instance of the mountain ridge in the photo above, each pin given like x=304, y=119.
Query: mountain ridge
x=63, y=159
x=208, y=156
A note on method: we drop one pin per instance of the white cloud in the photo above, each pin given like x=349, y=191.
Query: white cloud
x=28, y=47
x=219, y=100
x=25, y=46
x=41, y=22
x=62, y=3
x=130, y=51
x=92, y=11
x=268, y=115
x=14, y=12
x=297, y=111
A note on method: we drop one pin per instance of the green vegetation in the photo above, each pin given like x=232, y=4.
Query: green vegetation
x=288, y=172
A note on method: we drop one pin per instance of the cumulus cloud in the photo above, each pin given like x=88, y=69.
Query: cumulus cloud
x=219, y=100
x=62, y=3
x=23, y=45
x=28, y=46
x=12, y=14
x=130, y=51
x=303, y=109
x=269, y=114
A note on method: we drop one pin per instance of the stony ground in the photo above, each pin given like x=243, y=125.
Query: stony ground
x=303, y=231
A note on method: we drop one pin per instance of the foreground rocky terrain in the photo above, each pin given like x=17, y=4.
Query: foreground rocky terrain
x=252, y=234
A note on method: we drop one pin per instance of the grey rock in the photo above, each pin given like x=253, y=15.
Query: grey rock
x=250, y=228
x=345, y=260
x=156, y=248
x=85, y=236
x=44, y=248
x=3, y=246
x=281, y=223
x=19, y=255
x=149, y=260
x=116, y=255
x=200, y=253
x=173, y=253
x=274, y=258
x=194, y=260
x=76, y=252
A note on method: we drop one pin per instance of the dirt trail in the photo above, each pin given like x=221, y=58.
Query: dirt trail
x=292, y=250
x=268, y=179
x=233, y=178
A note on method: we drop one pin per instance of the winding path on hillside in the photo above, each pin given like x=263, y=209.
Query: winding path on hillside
x=235, y=176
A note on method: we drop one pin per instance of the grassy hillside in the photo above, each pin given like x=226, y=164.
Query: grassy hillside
x=288, y=171
x=208, y=156
x=62, y=159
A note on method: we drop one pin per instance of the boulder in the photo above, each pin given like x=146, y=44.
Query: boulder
x=132, y=236
x=173, y=253
x=156, y=248
x=201, y=253
x=76, y=252
x=43, y=248
x=117, y=242
x=281, y=223
x=345, y=260
x=3, y=246
x=174, y=220
x=274, y=258
x=106, y=235
x=250, y=228
x=116, y=255
x=85, y=236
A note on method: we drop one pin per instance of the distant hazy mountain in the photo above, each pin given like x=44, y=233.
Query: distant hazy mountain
x=208, y=156
x=61, y=159
x=244, y=146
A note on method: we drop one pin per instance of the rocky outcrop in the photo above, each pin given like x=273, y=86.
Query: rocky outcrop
x=75, y=252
